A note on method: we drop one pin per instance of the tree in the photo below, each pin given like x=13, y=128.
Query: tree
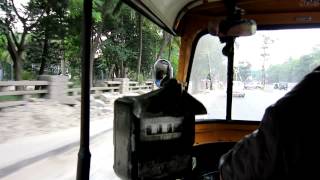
x=27, y=17
x=47, y=37
x=294, y=70
x=172, y=53
x=208, y=62
x=104, y=23
x=116, y=49
x=140, y=25
x=121, y=50
x=4, y=59
x=166, y=40
x=3, y=52
x=244, y=68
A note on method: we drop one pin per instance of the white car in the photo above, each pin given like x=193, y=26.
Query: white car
x=253, y=85
x=238, y=89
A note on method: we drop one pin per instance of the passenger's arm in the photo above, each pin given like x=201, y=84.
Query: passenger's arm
x=254, y=156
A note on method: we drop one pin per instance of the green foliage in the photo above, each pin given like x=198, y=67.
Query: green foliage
x=4, y=59
x=27, y=75
x=121, y=47
x=3, y=51
x=208, y=59
x=58, y=22
x=141, y=78
x=7, y=71
x=75, y=8
x=243, y=71
x=171, y=52
x=47, y=38
x=72, y=56
x=294, y=69
x=151, y=39
x=10, y=98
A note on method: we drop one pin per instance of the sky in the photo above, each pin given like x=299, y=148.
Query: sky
x=18, y=4
x=20, y=1
x=286, y=44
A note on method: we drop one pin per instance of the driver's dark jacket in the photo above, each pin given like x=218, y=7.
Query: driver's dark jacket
x=287, y=143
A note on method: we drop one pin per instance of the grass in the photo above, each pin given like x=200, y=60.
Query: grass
x=10, y=98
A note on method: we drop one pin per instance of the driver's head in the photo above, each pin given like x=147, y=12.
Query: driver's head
x=162, y=65
x=159, y=74
x=162, y=69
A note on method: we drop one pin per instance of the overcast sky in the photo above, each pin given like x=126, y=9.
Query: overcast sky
x=287, y=44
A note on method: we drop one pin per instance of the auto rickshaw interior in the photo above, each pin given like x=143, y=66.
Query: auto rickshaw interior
x=225, y=21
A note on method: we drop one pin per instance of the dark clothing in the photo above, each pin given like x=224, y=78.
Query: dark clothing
x=285, y=146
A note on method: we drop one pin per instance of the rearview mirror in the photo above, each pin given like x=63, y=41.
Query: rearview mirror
x=162, y=72
x=233, y=28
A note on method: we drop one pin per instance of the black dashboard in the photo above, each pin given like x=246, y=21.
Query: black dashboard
x=206, y=159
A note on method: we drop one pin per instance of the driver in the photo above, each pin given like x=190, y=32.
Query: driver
x=285, y=146
x=162, y=74
x=159, y=76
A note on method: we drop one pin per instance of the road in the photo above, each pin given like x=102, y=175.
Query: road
x=61, y=164
x=250, y=107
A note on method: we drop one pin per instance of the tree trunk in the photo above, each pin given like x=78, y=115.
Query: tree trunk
x=91, y=67
x=16, y=58
x=111, y=71
x=115, y=73
x=45, y=51
x=166, y=38
x=122, y=69
x=170, y=48
x=125, y=72
x=118, y=71
x=140, y=47
x=17, y=66
x=63, y=66
x=44, y=57
x=63, y=61
x=94, y=47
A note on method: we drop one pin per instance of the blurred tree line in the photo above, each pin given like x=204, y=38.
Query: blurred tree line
x=43, y=37
x=294, y=70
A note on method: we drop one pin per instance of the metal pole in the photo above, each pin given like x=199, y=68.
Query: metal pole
x=230, y=43
x=84, y=155
x=208, y=57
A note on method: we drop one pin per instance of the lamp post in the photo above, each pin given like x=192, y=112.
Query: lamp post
x=266, y=42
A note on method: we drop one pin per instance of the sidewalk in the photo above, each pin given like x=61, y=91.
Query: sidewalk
x=23, y=151
x=63, y=166
x=42, y=130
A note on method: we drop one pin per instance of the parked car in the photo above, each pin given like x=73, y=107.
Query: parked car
x=281, y=86
x=238, y=89
x=253, y=85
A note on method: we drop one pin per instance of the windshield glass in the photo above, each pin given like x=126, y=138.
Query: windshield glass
x=208, y=77
x=266, y=66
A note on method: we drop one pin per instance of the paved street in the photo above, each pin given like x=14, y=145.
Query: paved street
x=41, y=141
x=250, y=107
x=63, y=165
x=58, y=159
